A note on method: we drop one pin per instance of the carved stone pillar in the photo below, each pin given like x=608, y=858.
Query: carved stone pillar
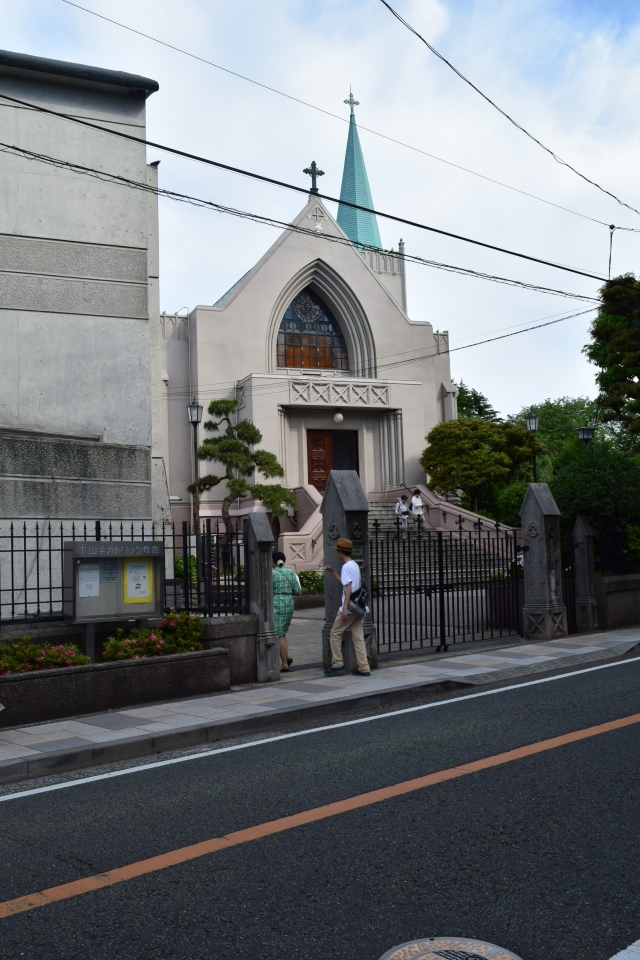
x=586, y=610
x=544, y=614
x=258, y=567
x=345, y=513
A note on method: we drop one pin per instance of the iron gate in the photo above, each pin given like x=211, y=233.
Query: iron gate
x=433, y=589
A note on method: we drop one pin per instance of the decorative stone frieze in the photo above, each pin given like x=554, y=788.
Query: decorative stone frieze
x=338, y=393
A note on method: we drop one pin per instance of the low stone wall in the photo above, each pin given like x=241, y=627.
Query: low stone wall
x=307, y=601
x=237, y=634
x=618, y=601
x=72, y=691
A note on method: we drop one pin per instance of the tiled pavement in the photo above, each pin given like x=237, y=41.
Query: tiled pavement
x=305, y=694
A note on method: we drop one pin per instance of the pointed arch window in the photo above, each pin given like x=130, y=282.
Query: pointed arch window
x=310, y=335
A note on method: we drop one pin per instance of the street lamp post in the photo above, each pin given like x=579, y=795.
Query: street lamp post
x=532, y=426
x=586, y=434
x=194, y=411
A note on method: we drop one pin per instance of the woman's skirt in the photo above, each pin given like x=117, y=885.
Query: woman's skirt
x=283, y=609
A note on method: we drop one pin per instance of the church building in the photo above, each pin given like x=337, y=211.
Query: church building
x=309, y=341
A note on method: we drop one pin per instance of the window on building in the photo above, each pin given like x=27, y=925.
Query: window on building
x=309, y=335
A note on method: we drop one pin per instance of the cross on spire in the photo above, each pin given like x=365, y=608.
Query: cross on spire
x=352, y=102
x=314, y=172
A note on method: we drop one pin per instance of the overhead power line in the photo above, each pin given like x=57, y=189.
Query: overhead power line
x=503, y=112
x=181, y=393
x=478, y=343
x=335, y=116
x=305, y=190
x=271, y=221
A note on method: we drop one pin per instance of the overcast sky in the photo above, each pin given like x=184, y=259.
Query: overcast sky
x=568, y=71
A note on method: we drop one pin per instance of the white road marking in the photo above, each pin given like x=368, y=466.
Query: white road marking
x=631, y=953
x=303, y=733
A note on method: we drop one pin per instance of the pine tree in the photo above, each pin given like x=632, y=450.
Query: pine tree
x=234, y=450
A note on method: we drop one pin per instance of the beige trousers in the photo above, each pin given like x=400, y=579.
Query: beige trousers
x=356, y=626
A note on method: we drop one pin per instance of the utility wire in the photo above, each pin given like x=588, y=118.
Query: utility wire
x=271, y=388
x=479, y=343
x=305, y=190
x=272, y=222
x=335, y=116
x=504, y=114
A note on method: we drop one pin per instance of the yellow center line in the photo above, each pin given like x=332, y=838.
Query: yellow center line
x=76, y=888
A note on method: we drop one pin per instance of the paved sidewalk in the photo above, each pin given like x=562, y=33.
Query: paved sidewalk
x=305, y=694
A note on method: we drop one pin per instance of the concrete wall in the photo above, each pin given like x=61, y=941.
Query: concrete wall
x=58, y=479
x=238, y=635
x=73, y=691
x=79, y=333
x=618, y=601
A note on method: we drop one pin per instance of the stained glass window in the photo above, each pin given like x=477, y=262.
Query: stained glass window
x=309, y=335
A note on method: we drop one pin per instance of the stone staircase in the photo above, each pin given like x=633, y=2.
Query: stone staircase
x=384, y=513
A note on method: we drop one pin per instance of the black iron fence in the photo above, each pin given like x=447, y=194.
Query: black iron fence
x=432, y=589
x=569, y=591
x=204, y=569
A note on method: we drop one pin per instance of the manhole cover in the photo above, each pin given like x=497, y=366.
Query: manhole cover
x=448, y=948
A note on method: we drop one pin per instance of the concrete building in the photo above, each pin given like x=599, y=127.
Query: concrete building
x=80, y=403
x=309, y=341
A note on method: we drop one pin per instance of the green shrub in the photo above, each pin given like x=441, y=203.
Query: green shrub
x=311, y=581
x=25, y=656
x=192, y=565
x=178, y=633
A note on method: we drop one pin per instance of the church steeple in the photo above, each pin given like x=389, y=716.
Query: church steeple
x=359, y=226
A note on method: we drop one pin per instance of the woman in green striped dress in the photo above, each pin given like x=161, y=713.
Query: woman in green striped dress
x=286, y=586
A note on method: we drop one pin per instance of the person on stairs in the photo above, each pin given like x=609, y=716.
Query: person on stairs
x=417, y=508
x=286, y=586
x=402, y=516
x=351, y=581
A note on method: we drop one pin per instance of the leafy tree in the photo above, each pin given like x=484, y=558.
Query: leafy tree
x=508, y=501
x=473, y=405
x=558, y=420
x=477, y=457
x=233, y=449
x=615, y=348
x=602, y=482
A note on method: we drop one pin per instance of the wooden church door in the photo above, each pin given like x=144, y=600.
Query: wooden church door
x=319, y=457
x=330, y=450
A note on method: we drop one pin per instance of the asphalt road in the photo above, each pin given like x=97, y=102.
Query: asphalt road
x=540, y=856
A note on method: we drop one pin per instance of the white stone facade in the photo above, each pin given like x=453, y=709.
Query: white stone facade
x=230, y=350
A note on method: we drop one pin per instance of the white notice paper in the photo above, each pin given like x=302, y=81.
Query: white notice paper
x=89, y=580
x=138, y=586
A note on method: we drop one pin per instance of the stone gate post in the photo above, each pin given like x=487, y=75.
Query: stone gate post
x=544, y=614
x=345, y=513
x=586, y=610
x=258, y=550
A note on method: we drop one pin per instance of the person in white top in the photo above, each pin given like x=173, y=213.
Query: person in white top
x=351, y=581
x=402, y=516
x=417, y=506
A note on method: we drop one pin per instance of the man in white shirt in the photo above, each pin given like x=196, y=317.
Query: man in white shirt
x=351, y=580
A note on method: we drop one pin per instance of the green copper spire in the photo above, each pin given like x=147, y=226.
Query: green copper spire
x=359, y=226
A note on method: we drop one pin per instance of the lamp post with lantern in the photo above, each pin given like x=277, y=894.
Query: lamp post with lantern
x=586, y=434
x=194, y=411
x=531, y=421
